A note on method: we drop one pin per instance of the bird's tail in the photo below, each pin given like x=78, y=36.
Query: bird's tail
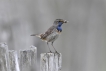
x=36, y=35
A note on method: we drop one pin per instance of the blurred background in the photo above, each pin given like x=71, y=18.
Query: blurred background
x=82, y=42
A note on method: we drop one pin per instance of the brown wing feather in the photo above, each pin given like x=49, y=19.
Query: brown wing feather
x=48, y=32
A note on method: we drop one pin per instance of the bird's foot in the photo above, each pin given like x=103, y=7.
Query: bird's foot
x=50, y=52
x=56, y=52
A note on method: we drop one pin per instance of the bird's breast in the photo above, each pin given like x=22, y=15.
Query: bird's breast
x=53, y=36
x=59, y=29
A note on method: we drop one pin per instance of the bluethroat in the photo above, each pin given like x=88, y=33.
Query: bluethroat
x=52, y=33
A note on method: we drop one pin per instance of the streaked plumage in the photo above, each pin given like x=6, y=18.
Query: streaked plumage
x=52, y=33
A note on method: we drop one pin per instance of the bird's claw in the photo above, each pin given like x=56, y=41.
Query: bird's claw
x=50, y=52
x=56, y=52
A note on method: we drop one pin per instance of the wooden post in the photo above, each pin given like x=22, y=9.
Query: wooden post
x=13, y=59
x=4, y=59
x=28, y=59
x=50, y=62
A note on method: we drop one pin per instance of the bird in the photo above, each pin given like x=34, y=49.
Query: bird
x=52, y=33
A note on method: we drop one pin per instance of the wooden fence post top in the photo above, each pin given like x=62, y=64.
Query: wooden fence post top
x=28, y=59
x=3, y=45
x=13, y=59
x=51, y=61
x=4, y=58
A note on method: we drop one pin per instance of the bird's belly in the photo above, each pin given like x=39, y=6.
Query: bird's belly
x=52, y=37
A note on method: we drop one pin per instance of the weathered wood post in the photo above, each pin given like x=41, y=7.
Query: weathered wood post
x=4, y=58
x=28, y=59
x=13, y=59
x=50, y=62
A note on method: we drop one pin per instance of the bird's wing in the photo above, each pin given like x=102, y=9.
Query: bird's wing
x=48, y=32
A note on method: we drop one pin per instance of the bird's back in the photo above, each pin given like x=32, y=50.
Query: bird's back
x=50, y=35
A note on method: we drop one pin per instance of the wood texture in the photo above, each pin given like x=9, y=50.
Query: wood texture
x=4, y=59
x=28, y=59
x=13, y=59
x=50, y=62
x=10, y=61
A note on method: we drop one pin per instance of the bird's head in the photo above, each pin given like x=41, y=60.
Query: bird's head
x=59, y=21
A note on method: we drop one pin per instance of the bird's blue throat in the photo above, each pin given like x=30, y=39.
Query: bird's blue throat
x=59, y=28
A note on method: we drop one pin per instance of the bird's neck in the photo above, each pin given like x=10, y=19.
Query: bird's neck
x=60, y=24
x=59, y=27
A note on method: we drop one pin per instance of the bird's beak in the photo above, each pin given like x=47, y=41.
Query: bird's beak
x=65, y=21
